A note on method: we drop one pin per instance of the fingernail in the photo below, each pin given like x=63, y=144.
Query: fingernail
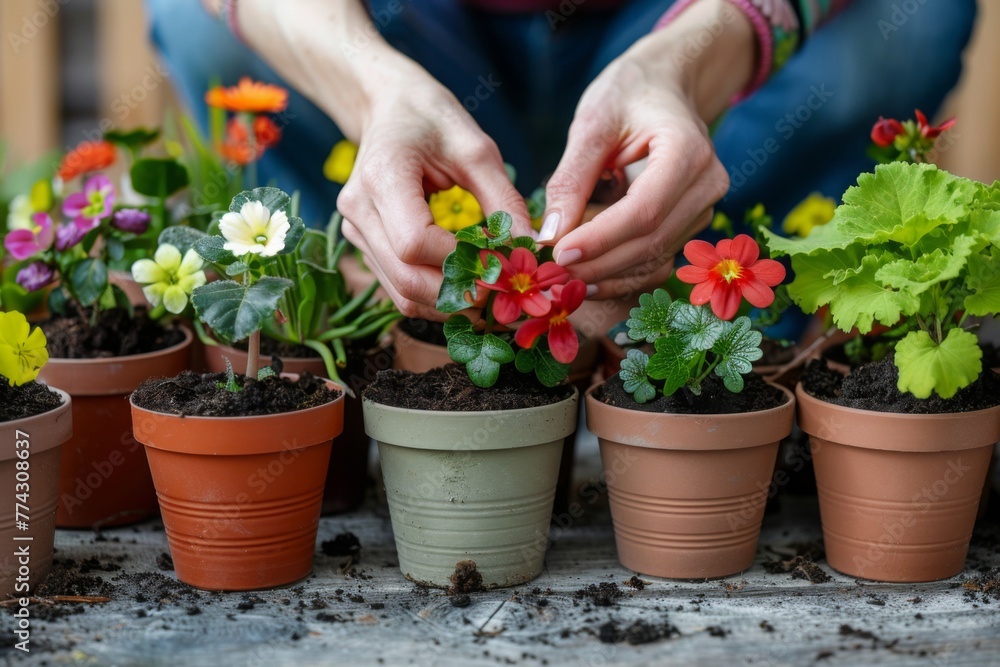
x=591, y=290
x=549, y=228
x=567, y=257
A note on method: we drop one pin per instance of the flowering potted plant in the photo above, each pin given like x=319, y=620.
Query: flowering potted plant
x=470, y=452
x=239, y=461
x=34, y=422
x=689, y=434
x=101, y=346
x=901, y=445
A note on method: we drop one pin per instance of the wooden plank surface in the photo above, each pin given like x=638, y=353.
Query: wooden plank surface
x=369, y=614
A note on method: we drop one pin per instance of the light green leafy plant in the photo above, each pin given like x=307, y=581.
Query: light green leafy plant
x=913, y=248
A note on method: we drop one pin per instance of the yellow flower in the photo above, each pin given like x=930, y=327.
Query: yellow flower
x=722, y=223
x=22, y=352
x=340, y=162
x=455, y=209
x=814, y=211
x=169, y=278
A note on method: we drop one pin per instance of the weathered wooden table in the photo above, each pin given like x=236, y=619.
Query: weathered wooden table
x=366, y=613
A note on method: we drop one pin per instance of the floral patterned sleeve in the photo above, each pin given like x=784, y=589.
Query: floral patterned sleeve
x=781, y=27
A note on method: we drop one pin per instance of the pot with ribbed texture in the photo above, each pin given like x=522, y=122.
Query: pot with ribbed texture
x=687, y=492
x=471, y=486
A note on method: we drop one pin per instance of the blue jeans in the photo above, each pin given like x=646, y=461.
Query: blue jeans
x=521, y=75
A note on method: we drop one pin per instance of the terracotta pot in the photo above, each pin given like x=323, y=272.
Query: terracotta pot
x=471, y=486
x=687, y=492
x=105, y=479
x=897, y=493
x=132, y=289
x=44, y=435
x=240, y=496
x=411, y=354
x=347, y=475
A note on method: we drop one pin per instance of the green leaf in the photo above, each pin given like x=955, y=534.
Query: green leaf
x=236, y=268
x=461, y=269
x=474, y=234
x=738, y=347
x=132, y=139
x=235, y=311
x=182, y=238
x=481, y=354
x=984, y=283
x=539, y=359
x=115, y=247
x=634, y=378
x=265, y=372
x=523, y=242
x=456, y=324
x=275, y=199
x=498, y=226
x=919, y=275
x=861, y=300
x=88, y=279
x=296, y=230
x=649, y=320
x=211, y=250
x=926, y=367
x=672, y=362
x=158, y=177
x=697, y=326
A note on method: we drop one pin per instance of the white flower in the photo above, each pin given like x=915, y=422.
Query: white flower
x=19, y=216
x=168, y=278
x=254, y=230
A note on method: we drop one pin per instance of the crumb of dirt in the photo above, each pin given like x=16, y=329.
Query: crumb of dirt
x=984, y=586
x=639, y=632
x=766, y=626
x=874, y=387
x=717, y=631
x=205, y=395
x=193, y=610
x=377, y=605
x=331, y=618
x=801, y=565
x=356, y=598
x=636, y=583
x=460, y=600
x=604, y=594
x=27, y=400
x=449, y=389
x=343, y=544
x=115, y=334
x=714, y=397
x=465, y=579
x=824, y=655
x=165, y=562
x=156, y=588
x=848, y=631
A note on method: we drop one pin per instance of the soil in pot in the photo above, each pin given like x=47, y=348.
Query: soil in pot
x=26, y=401
x=105, y=476
x=714, y=399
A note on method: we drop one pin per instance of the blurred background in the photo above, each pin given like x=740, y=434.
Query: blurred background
x=71, y=67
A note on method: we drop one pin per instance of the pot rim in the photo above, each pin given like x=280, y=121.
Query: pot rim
x=715, y=431
x=27, y=424
x=473, y=413
x=141, y=357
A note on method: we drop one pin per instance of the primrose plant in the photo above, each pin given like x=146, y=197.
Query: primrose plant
x=22, y=349
x=917, y=250
x=694, y=339
x=519, y=287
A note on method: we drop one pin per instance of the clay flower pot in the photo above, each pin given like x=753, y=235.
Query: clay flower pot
x=898, y=493
x=44, y=434
x=105, y=479
x=687, y=492
x=412, y=354
x=347, y=475
x=471, y=486
x=240, y=496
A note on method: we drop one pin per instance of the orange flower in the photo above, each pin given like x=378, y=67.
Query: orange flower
x=237, y=147
x=266, y=131
x=86, y=157
x=249, y=96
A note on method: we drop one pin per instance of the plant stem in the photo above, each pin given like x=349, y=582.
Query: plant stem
x=253, y=352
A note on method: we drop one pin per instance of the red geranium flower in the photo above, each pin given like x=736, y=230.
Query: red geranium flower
x=88, y=156
x=237, y=147
x=929, y=131
x=885, y=131
x=266, y=131
x=521, y=284
x=728, y=272
x=562, y=337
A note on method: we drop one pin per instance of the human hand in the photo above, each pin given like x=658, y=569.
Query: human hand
x=648, y=104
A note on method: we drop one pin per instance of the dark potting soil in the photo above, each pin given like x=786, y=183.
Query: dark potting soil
x=27, y=400
x=639, y=632
x=115, y=334
x=425, y=331
x=873, y=387
x=465, y=579
x=715, y=399
x=775, y=353
x=450, y=389
x=343, y=544
x=191, y=394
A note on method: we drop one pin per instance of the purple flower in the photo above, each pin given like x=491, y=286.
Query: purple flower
x=69, y=234
x=131, y=220
x=35, y=276
x=94, y=203
x=23, y=243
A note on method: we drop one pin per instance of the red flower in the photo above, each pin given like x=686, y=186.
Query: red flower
x=562, y=337
x=929, y=131
x=266, y=131
x=237, y=148
x=728, y=272
x=88, y=156
x=521, y=284
x=885, y=131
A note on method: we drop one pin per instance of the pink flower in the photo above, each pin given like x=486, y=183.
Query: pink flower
x=728, y=272
x=35, y=276
x=521, y=283
x=562, y=337
x=94, y=203
x=23, y=243
x=70, y=233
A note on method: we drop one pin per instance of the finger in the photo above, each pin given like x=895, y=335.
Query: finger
x=480, y=169
x=665, y=185
x=589, y=146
